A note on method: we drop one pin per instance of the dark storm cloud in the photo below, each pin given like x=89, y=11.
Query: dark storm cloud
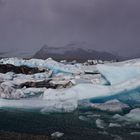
x=110, y=25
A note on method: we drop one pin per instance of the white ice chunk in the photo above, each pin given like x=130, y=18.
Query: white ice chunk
x=133, y=115
x=114, y=125
x=100, y=123
x=7, y=76
x=56, y=135
x=118, y=74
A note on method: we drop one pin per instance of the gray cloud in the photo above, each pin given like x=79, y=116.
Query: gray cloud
x=2, y=2
x=110, y=25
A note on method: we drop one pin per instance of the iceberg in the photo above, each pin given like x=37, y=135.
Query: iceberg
x=123, y=78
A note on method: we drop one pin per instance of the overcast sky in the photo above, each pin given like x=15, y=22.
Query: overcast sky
x=110, y=25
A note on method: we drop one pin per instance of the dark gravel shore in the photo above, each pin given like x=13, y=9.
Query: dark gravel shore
x=21, y=136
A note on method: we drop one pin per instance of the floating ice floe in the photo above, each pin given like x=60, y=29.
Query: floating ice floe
x=114, y=125
x=135, y=133
x=117, y=137
x=56, y=135
x=133, y=115
x=83, y=118
x=111, y=106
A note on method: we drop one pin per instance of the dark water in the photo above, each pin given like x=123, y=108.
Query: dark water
x=69, y=123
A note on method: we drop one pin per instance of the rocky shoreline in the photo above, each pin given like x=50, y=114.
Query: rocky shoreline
x=5, y=135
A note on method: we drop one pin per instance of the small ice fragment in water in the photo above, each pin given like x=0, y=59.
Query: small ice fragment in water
x=114, y=125
x=94, y=116
x=100, y=123
x=103, y=133
x=116, y=116
x=56, y=135
x=83, y=118
x=117, y=137
x=135, y=133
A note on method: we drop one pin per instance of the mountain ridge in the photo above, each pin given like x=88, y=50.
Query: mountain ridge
x=70, y=52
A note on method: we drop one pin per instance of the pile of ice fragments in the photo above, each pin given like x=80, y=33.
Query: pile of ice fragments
x=53, y=86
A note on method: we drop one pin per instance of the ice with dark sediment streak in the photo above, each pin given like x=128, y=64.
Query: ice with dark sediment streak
x=48, y=63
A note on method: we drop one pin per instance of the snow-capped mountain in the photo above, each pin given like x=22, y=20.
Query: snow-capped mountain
x=79, y=52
